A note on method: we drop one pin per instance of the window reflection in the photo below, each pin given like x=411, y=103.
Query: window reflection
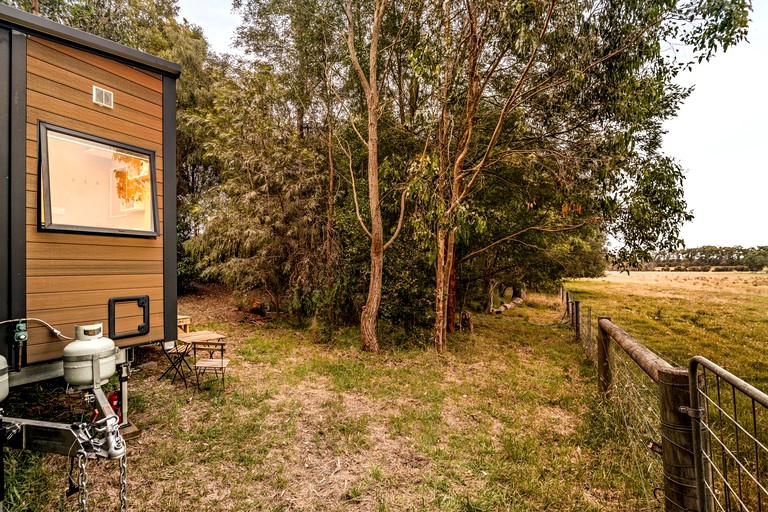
x=90, y=184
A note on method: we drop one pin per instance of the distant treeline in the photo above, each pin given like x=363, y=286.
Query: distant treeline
x=712, y=258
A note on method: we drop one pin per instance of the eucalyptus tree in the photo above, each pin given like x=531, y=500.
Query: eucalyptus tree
x=574, y=91
x=331, y=55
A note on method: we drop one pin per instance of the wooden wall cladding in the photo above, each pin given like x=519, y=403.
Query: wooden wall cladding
x=71, y=277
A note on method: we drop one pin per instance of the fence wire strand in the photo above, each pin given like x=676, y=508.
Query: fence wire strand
x=635, y=409
x=735, y=429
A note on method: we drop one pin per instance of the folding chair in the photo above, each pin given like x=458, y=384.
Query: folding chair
x=176, y=353
x=208, y=352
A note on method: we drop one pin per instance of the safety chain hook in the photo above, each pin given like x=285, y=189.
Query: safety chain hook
x=82, y=481
x=123, y=483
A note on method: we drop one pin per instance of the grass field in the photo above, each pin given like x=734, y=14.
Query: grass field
x=722, y=316
x=508, y=420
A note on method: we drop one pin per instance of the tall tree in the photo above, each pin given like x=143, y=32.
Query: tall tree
x=371, y=85
x=577, y=91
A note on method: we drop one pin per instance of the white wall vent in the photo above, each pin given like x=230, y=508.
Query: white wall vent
x=102, y=97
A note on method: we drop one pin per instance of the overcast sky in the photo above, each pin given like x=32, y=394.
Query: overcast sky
x=718, y=136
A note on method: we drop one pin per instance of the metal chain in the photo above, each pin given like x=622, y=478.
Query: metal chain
x=82, y=481
x=123, y=483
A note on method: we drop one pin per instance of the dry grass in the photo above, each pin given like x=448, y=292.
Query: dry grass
x=507, y=420
x=722, y=316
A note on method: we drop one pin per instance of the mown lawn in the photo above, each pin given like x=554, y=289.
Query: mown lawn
x=507, y=420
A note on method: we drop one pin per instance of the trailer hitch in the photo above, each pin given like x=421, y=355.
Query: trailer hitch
x=99, y=440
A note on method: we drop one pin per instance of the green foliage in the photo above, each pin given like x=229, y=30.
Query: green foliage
x=531, y=168
x=757, y=259
x=263, y=225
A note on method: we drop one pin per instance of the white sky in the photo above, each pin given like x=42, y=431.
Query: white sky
x=216, y=19
x=718, y=136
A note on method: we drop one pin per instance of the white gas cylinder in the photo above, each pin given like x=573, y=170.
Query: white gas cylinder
x=78, y=357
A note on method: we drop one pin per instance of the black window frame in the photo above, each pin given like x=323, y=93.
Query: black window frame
x=44, y=188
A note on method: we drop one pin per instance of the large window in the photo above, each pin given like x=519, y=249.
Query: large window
x=90, y=184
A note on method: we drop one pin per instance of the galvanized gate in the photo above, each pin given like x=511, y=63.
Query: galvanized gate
x=730, y=438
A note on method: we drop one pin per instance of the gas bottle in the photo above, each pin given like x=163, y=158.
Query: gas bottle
x=78, y=355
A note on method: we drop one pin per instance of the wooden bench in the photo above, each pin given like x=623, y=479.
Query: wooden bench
x=182, y=323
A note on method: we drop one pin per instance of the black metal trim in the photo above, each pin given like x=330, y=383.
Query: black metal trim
x=18, y=182
x=169, y=209
x=141, y=301
x=32, y=24
x=5, y=177
x=44, y=189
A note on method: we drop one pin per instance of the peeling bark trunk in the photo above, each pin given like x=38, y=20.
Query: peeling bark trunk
x=445, y=250
x=370, y=85
x=439, y=337
x=369, y=317
x=450, y=317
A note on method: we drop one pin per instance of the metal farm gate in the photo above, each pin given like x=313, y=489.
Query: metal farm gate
x=730, y=453
x=711, y=426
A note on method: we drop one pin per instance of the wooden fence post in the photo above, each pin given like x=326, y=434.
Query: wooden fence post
x=676, y=441
x=577, y=319
x=568, y=304
x=604, y=376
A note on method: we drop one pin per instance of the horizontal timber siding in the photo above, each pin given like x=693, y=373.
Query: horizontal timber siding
x=71, y=277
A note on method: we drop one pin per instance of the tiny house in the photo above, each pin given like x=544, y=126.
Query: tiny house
x=87, y=191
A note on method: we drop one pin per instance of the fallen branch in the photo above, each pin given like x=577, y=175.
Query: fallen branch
x=509, y=305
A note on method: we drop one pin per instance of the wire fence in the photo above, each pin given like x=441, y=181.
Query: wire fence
x=635, y=398
x=634, y=401
x=705, y=448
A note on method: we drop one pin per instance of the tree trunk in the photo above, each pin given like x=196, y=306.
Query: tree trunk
x=300, y=119
x=370, y=86
x=450, y=317
x=491, y=284
x=445, y=250
x=370, y=314
x=329, y=219
x=439, y=327
x=369, y=317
